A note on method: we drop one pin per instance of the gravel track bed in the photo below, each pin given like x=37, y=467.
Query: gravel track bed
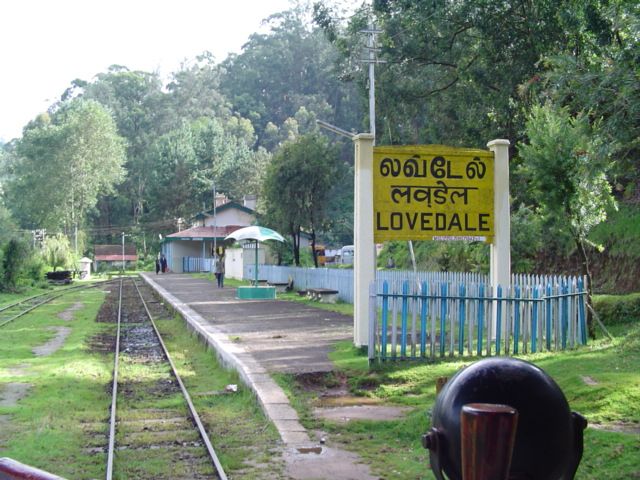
x=155, y=435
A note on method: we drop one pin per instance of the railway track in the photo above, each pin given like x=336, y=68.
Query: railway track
x=12, y=312
x=154, y=430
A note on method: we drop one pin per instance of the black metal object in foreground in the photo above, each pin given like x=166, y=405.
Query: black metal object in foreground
x=549, y=437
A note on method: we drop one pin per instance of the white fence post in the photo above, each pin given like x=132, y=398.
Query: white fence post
x=364, y=265
x=500, y=262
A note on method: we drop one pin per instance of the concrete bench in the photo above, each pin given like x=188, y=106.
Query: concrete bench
x=281, y=287
x=323, y=295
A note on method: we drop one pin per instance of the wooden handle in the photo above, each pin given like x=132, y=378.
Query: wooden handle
x=488, y=434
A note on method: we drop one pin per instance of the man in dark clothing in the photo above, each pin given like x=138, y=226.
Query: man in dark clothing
x=163, y=264
x=157, y=265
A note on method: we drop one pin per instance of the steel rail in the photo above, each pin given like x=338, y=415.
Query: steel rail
x=114, y=394
x=52, y=296
x=194, y=414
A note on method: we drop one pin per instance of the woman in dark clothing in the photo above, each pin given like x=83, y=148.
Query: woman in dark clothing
x=220, y=271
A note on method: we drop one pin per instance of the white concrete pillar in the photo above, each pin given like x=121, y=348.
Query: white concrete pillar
x=364, y=265
x=500, y=266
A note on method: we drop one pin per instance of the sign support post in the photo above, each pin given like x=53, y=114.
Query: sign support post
x=500, y=262
x=364, y=265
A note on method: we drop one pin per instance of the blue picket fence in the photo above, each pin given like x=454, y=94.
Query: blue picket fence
x=342, y=279
x=197, y=264
x=412, y=320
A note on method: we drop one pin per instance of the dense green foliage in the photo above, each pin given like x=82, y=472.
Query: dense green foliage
x=14, y=258
x=298, y=186
x=63, y=163
x=57, y=252
x=618, y=309
x=542, y=74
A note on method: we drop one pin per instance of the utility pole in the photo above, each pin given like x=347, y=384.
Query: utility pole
x=373, y=50
x=123, y=261
x=215, y=228
x=122, y=253
x=372, y=60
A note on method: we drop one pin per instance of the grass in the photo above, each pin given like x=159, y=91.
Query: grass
x=7, y=298
x=393, y=447
x=233, y=417
x=68, y=389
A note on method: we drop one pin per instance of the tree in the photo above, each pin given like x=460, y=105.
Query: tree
x=14, y=262
x=454, y=68
x=566, y=162
x=224, y=156
x=173, y=188
x=141, y=114
x=194, y=90
x=598, y=73
x=57, y=251
x=298, y=187
x=291, y=66
x=62, y=165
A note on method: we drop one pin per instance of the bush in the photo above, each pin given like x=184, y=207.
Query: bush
x=617, y=309
x=34, y=270
x=147, y=264
x=15, y=256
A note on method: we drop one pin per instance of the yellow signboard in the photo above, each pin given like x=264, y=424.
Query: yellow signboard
x=424, y=192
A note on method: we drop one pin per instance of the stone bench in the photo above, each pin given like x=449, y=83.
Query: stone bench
x=281, y=287
x=323, y=295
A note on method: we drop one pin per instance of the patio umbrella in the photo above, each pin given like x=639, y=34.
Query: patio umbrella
x=257, y=234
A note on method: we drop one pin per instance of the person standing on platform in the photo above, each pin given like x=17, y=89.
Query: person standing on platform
x=157, y=264
x=220, y=271
x=163, y=264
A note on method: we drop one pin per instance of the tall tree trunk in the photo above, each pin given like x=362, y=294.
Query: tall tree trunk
x=591, y=328
x=313, y=248
x=295, y=239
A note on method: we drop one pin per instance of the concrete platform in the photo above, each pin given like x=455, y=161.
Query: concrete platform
x=257, y=337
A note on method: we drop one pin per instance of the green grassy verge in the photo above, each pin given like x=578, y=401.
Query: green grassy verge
x=7, y=298
x=617, y=309
x=247, y=441
x=67, y=393
x=340, y=307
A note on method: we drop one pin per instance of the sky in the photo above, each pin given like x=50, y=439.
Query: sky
x=45, y=44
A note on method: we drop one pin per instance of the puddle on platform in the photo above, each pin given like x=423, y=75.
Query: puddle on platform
x=330, y=401
x=346, y=414
x=305, y=450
